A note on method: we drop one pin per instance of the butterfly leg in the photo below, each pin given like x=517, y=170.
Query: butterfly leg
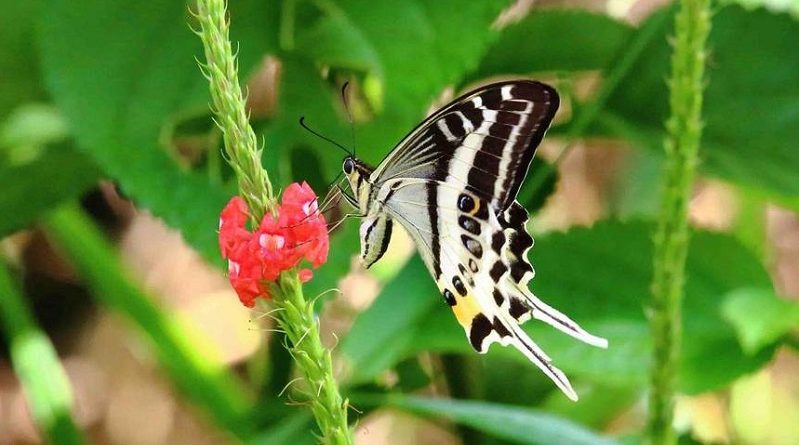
x=346, y=195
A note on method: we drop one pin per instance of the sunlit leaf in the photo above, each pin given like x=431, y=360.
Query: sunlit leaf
x=760, y=317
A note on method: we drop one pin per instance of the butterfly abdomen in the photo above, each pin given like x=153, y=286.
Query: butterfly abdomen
x=375, y=236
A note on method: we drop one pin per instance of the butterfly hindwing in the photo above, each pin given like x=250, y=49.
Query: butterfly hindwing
x=472, y=270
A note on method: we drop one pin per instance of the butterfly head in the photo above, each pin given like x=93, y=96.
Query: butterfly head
x=358, y=176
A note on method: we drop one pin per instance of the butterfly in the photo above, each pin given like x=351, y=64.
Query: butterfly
x=452, y=184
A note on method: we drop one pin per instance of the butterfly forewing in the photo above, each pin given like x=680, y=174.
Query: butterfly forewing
x=483, y=141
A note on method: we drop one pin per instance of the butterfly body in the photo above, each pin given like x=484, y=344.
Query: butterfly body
x=452, y=183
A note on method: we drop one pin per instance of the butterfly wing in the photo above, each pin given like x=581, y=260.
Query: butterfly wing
x=452, y=185
x=483, y=141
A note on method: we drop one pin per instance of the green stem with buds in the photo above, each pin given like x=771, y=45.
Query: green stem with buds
x=229, y=105
x=684, y=129
x=294, y=313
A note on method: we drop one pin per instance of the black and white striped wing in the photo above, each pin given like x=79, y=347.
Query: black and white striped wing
x=452, y=185
x=484, y=141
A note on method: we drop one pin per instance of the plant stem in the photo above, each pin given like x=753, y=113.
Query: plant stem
x=36, y=364
x=294, y=313
x=298, y=320
x=684, y=129
x=229, y=106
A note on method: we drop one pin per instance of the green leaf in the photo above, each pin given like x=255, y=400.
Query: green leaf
x=513, y=423
x=58, y=174
x=555, y=40
x=334, y=40
x=751, y=103
x=533, y=196
x=36, y=363
x=366, y=37
x=302, y=92
x=418, y=61
x=120, y=71
x=380, y=334
x=18, y=63
x=599, y=404
x=760, y=317
x=600, y=277
x=293, y=430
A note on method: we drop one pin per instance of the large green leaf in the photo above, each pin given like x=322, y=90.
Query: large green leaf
x=513, y=423
x=302, y=92
x=58, y=174
x=39, y=167
x=600, y=277
x=791, y=7
x=334, y=40
x=751, y=107
x=555, y=40
x=122, y=73
x=406, y=66
x=419, y=61
x=119, y=71
x=18, y=63
x=344, y=245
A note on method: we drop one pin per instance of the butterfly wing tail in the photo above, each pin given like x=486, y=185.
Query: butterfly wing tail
x=514, y=252
x=482, y=331
x=524, y=344
x=553, y=317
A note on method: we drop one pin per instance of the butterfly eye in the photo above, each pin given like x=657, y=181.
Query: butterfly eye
x=349, y=166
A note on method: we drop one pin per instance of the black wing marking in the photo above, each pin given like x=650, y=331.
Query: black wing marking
x=484, y=140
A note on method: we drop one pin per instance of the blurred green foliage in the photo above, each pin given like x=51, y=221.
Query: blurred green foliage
x=122, y=79
x=44, y=381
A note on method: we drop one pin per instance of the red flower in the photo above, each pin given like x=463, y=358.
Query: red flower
x=257, y=258
x=231, y=226
x=300, y=213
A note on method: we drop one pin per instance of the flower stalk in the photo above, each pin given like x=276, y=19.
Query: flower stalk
x=294, y=314
x=683, y=134
x=242, y=151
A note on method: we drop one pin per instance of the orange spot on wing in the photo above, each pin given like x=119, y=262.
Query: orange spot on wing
x=465, y=310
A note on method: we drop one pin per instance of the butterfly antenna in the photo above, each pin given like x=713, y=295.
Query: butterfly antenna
x=325, y=138
x=345, y=99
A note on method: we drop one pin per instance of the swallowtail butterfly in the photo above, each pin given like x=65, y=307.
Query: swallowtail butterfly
x=452, y=184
